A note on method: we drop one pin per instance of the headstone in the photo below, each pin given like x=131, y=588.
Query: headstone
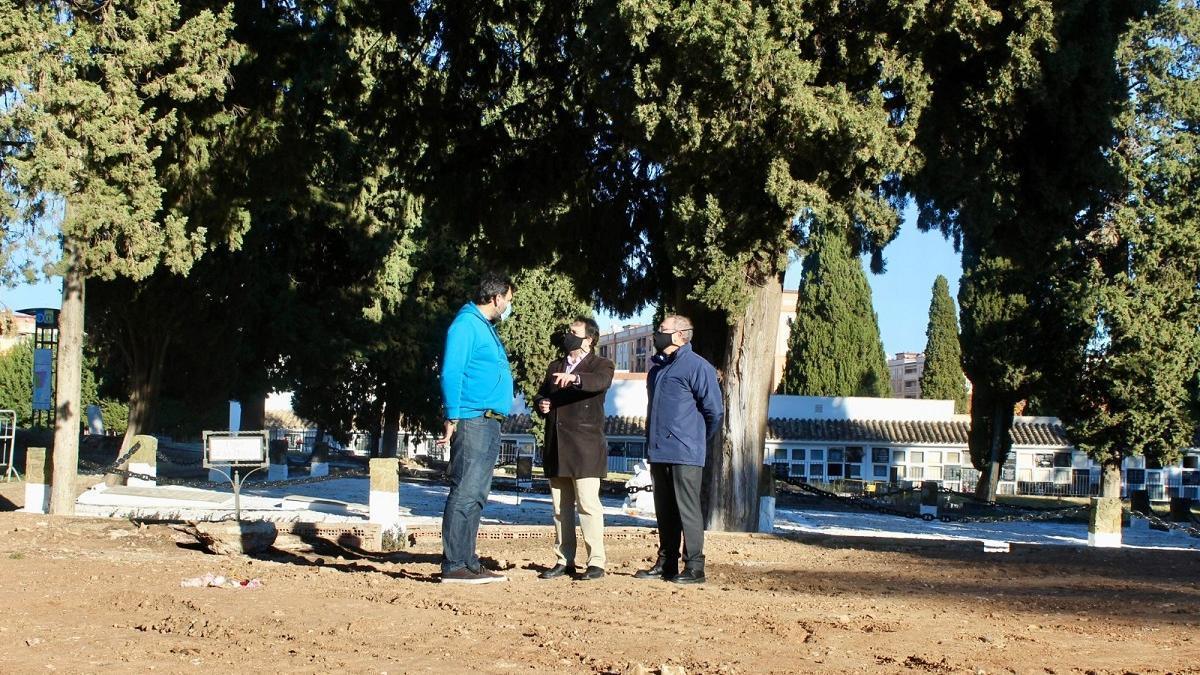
x=277, y=452
x=37, y=481
x=235, y=416
x=318, y=463
x=95, y=421
x=385, y=492
x=1104, y=523
x=929, y=498
x=1181, y=510
x=524, y=464
x=1139, y=502
x=144, y=460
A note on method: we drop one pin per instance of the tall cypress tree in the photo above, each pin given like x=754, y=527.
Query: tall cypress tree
x=1135, y=391
x=943, y=374
x=1015, y=142
x=834, y=347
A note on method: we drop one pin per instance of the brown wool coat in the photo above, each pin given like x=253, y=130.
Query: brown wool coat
x=575, y=446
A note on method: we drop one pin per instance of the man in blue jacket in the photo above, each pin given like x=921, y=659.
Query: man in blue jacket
x=477, y=390
x=685, y=410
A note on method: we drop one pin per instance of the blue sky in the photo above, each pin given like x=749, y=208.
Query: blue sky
x=901, y=294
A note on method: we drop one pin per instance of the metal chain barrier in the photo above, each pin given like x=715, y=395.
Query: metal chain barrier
x=859, y=502
x=162, y=480
x=1000, y=505
x=635, y=490
x=96, y=468
x=1163, y=524
x=1043, y=515
x=870, y=505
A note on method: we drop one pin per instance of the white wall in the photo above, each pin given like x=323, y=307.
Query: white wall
x=626, y=398
x=860, y=408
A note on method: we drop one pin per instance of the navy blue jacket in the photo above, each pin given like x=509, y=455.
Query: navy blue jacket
x=685, y=407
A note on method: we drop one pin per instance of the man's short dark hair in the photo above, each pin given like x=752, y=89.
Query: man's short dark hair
x=491, y=285
x=590, y=327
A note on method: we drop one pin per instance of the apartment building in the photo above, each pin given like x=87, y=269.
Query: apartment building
x=631, y=346
x=906, y=369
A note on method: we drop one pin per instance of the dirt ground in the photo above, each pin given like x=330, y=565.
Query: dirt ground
x=87, y=595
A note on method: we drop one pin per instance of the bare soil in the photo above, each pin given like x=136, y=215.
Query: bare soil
x=89, y=595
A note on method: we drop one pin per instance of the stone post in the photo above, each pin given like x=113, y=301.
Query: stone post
x=277, y=454
x=37, y=481
x=385, y=492
x=318, y=464
x=929, y=498
x=144, y=460
x=766, y=512
x=1104, y=523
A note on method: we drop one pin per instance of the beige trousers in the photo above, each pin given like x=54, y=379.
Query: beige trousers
x=582, y=496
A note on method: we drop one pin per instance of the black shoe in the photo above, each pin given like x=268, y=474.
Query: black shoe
x=689, y=575
x=557, y=571
x=661, y=570
x=466, y=576
x=592, y=572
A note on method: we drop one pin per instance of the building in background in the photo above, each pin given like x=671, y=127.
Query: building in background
x=631, y=346
x=906, y=369
x=15, y=327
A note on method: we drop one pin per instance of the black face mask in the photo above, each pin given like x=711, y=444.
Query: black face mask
x=571, y=342
x=662, y=340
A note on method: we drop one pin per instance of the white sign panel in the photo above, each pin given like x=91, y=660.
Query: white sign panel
x=43, y=379
x=245, y=448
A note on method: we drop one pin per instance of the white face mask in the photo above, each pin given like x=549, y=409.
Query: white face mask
x=507, y=312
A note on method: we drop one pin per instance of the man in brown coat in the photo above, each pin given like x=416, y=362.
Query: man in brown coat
x=575, y=452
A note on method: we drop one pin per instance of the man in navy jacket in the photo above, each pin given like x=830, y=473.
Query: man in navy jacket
x=685, y=410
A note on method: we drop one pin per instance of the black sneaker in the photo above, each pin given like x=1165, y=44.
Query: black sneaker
x=466, y=576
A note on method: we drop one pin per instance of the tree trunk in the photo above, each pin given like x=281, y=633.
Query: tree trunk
x=254, y=411
x=67, y=394
x=1110, y=478
x=391, y=429
x=737, y=453
x=145, y=357
x=991, y=420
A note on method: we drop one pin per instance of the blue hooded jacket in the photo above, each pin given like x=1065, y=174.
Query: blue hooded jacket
x=685, y=407
x=476, y=376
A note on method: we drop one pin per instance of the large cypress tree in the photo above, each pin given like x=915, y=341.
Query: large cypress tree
x=834, y=347
x=1136, y=392
x=943, y=374
x=1014, y=141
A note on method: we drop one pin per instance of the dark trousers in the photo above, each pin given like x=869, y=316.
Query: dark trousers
x=677, y=508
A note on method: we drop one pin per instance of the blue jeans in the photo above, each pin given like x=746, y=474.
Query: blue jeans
x=473, y=453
